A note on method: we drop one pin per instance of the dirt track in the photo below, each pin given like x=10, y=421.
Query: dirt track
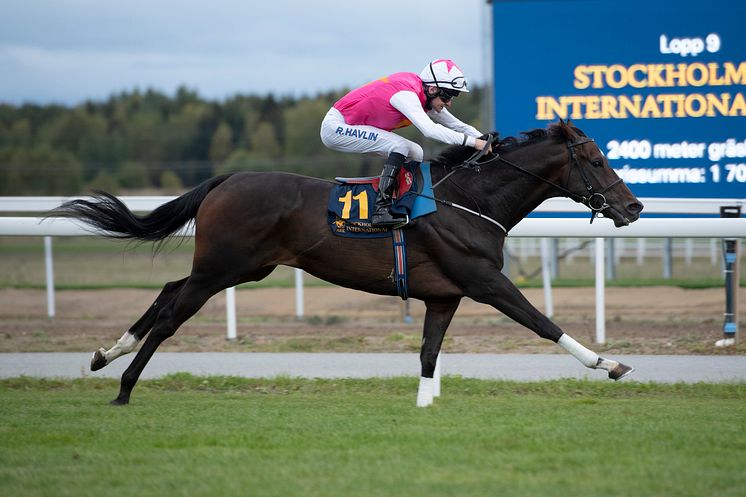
x=639, y=320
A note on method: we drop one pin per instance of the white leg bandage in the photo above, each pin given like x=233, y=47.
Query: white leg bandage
x=124, y=345
x=582, y=354
x=425, y=392
x=436, y=378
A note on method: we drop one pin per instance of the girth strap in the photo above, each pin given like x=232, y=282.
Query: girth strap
x=400, y=263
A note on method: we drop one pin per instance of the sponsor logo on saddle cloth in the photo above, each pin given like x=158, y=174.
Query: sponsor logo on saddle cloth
x=352, y=202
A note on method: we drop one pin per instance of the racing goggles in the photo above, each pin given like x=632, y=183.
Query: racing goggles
x=446, y=94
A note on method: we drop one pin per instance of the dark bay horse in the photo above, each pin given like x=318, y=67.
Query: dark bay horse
x=248, y=223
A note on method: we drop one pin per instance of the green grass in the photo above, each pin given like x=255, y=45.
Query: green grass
x=216, y=436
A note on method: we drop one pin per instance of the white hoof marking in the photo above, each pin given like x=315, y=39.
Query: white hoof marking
x=425, y=392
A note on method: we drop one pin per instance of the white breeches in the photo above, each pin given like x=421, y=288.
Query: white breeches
x=338, y=135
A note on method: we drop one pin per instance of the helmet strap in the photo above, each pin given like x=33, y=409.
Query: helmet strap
x=435, y=80
x=428, y=97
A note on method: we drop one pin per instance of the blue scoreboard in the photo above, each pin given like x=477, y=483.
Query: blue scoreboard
x=660, y=85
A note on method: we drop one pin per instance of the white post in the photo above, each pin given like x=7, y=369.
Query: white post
x=49, y=264
x=610, y=259
x=546, y=277
x=640, y=251
x=230, y=312
x=688, y=251
x=619, y=246
x=299, y=294
x=554, y=258
x=523, y=249
x=714, y=251
x=570, y=244
x=436, y=377
x=600, y=292
x=530, y=246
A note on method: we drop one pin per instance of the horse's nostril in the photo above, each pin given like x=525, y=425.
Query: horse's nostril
x=634, y=207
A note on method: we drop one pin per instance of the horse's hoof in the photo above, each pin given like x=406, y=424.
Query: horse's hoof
x=620, y=371
x=119, y=402
x=98, y=360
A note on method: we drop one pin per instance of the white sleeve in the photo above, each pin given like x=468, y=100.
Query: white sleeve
x=408, y=104
x=450, y=121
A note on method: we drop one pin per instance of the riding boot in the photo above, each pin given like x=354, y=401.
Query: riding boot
x=382, y=215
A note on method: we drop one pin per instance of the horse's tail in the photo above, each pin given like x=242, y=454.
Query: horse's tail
x=109, y=214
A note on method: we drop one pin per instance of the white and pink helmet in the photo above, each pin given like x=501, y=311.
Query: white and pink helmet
x=445, y=74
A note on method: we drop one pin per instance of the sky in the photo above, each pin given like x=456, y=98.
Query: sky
x=70, y=51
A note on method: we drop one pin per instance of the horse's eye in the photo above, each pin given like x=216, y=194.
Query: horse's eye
x=597, y=163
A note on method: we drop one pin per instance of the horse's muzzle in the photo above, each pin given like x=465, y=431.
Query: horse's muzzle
x=626, y=216
x=633, y=210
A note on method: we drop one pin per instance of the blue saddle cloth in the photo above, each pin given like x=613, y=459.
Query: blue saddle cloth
x=351, y=203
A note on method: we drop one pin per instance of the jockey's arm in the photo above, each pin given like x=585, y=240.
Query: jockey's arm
x=408, y=104
x=452, y=122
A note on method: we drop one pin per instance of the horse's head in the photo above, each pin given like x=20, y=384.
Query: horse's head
x=591, y=181
x=562, y=157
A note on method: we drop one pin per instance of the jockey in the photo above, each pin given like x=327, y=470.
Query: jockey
x=362, y=121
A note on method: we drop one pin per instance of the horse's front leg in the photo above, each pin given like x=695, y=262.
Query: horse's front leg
x=505, y=297
x=437, y=318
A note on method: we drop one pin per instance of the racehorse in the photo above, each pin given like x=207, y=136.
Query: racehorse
x=248, y=223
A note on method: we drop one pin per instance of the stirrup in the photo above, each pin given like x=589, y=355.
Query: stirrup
x=389, y=221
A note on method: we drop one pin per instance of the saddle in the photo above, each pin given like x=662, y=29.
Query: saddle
x=352, y=201
x=405, y=180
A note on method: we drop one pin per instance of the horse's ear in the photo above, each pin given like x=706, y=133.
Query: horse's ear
x=563, y=128
x=567, y=130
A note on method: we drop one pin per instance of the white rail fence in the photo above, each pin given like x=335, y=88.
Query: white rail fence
x=543, y=228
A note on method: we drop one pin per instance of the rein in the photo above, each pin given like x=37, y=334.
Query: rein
x=595, y=201
x=470, y=163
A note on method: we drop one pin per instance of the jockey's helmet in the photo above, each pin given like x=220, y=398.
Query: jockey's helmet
x=446, y=75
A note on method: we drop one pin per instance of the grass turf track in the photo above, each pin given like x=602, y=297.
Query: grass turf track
x=210, y=436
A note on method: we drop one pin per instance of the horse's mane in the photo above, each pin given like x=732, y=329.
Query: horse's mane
x=456, y=154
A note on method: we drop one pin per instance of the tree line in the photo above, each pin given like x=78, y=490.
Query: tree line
x=143, y=140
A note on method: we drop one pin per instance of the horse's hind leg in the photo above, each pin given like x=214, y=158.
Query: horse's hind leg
x=132, y=337
x=187, y=301
x=437, y=318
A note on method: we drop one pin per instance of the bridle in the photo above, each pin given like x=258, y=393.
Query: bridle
x=594, y=200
